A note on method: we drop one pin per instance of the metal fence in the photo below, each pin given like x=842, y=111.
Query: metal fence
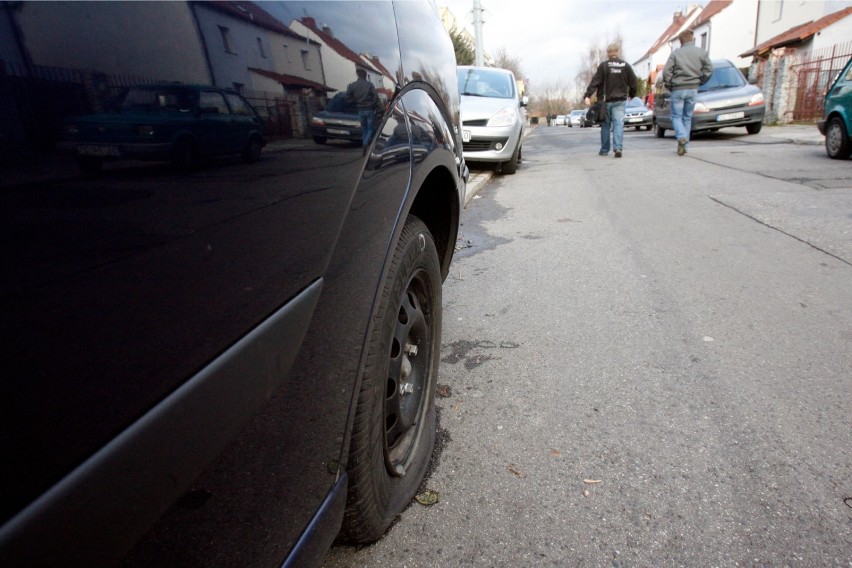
x=815, y=71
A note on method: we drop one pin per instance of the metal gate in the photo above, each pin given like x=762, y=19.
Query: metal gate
x=816, y=71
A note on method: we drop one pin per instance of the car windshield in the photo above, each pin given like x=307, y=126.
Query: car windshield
x=157, y=98
x=723, y=78
x=485, y=83
x=635, y=102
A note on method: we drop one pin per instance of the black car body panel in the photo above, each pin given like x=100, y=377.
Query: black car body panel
x=181, y=351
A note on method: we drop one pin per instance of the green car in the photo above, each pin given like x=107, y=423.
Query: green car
x=837, y=125
x=170, y=122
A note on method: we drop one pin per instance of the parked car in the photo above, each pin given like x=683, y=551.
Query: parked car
x=560, y=120
x=234, y=366
x=493, y=116
x=638, y=115
x=837, y=124
x=177, y=123
x=339, y=120
x=727, y=99
x=577, y=118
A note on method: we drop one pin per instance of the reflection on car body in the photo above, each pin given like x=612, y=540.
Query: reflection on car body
x=727, y=99
x=180, y=123
x=230, y=366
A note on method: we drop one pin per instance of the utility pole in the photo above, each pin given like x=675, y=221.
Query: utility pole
x=477, y=31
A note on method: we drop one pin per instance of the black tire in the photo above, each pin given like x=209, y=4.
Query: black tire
x=90, y=165
x=511, y=166
x=754, y=127
x=394, y=430
x=660, y=131
x=319, y=139
x=837, y=144
x=251, y=153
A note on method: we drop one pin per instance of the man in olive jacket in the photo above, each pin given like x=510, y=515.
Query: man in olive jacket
x=687, y=69
x=614, y=80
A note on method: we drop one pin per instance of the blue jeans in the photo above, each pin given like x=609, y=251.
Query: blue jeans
x=614, y=122
x=683, y=102
x=366, y=117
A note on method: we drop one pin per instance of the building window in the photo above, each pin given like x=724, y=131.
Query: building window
x=227, y=42
x=287, y=53
x=704, y=41
x=260, y=48
x=238, y=87
x=305, y=59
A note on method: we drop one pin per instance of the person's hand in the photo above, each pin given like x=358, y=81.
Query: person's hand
x=588, y=100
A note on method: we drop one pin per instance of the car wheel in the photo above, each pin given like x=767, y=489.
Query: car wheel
x=90, y=164
x=251, y=153
x=319, y=139
x=511, y=166
x=754, y=127
x=660, y=132
x=837, y=144
x=394, y=430
x=648, y=127
x=185, y=155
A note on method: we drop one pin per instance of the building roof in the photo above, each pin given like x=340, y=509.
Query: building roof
x=327, y=36
x=291, y=81
x=678, y=21
x=798, y=34
x=710, y=10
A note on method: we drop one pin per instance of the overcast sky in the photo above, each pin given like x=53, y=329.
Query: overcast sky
x=548, y=36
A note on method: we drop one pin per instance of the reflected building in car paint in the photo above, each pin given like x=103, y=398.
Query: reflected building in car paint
x=155, y=323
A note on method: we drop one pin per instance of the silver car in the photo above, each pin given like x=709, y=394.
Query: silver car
x=727, y=99
x=492, y=115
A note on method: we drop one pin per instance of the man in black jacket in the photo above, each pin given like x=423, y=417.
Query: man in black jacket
x=614, y=82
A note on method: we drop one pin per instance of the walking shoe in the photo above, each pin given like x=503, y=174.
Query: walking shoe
x=681, y=146
x=618, y=153
x=602, y=153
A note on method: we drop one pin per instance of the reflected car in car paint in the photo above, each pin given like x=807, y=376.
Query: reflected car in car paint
x=232, y=365
x=727, y=99
x=179, y=123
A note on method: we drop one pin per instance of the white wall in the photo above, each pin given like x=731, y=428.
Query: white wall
x=731, y=32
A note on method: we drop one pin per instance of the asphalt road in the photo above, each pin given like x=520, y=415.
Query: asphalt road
x=646, y=363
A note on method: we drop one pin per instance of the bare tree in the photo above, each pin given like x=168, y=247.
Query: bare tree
x=552, y=99
x=505, y=61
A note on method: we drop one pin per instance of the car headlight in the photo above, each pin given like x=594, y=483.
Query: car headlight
x=146, y=130
x=317, y=121
x=649, y=113
x=756, y=100
x=699, y=108
x=506, y=117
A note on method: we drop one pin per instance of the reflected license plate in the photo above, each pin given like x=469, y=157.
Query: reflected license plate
x=634, y=120
x=730, y=116
x=93, y=150
x=465, y=135
x=338, y=131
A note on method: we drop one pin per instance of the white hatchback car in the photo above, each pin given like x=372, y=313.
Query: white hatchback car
x=492, y=115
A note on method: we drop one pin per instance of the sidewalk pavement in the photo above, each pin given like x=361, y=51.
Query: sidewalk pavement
x=804, y=134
